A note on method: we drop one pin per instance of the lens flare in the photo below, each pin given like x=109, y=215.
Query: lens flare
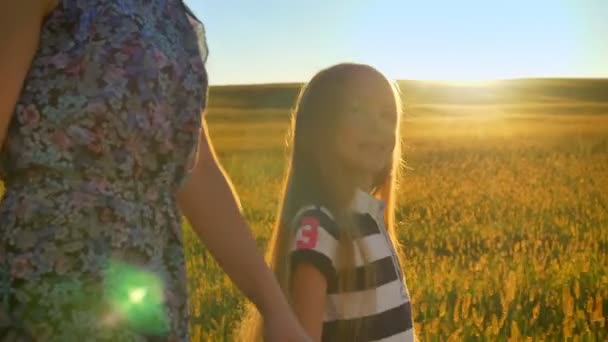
x=137, y=296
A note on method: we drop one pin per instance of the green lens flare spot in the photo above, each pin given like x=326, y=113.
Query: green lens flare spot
x=137, y=296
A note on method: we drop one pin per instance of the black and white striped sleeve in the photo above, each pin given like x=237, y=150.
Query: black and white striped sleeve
x=315, y=242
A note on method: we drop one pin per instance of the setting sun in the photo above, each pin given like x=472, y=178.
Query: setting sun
x=288, y=41
x=467, y=82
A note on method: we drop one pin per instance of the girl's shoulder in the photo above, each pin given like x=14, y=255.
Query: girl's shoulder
x=314, y=209
x=315, y=215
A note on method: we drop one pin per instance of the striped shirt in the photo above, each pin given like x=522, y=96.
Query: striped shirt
x=383, y=307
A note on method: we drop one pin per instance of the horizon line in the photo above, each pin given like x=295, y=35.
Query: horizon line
x=454, y=81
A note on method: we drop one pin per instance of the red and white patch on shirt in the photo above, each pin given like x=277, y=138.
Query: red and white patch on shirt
x=308, y=234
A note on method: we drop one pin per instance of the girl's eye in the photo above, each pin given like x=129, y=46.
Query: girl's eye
x=357, y=114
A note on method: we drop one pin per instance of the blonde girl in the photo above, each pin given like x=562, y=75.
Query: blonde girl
x=334, y=248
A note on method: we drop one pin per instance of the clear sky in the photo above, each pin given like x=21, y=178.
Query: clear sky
x=261, y=41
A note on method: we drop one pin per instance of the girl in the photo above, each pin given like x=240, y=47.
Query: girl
x=334, y=250
x=103, y=140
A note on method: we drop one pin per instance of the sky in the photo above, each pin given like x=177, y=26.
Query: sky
x=268, y=41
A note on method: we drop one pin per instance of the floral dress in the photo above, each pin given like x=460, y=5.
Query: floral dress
x=103, y=134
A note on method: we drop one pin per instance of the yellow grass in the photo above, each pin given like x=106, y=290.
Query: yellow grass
x=504, y=220
x=503, y=215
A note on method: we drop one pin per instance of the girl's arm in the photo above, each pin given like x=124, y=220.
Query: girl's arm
x=211, y=207
x=308, y=298
x=20, y=23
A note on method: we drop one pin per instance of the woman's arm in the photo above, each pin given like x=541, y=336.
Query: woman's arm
x=308, y=298
x=211, y=207
x=20, y=23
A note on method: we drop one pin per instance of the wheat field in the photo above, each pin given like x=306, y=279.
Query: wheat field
x=502, y=211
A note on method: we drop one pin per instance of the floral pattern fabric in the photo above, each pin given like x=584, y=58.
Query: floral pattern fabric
x=103, y=134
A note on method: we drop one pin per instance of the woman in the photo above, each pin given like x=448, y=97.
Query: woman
x=102, y=141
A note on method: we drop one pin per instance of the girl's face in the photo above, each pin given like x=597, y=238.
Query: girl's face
x=365, y=136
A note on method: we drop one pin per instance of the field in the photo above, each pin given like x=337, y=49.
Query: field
x=503, y=206
x=503, y=209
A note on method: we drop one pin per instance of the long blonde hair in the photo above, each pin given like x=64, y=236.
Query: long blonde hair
x=316, y=177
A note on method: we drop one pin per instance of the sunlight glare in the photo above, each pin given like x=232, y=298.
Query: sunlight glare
x=469, y=82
